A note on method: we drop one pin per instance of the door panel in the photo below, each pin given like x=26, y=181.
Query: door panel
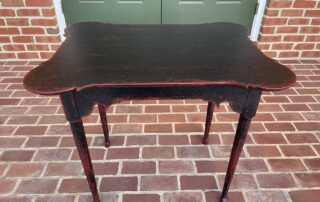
x=113, y=11
x=204, y=11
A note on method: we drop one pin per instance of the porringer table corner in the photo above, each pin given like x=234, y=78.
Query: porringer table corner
x=102, y=63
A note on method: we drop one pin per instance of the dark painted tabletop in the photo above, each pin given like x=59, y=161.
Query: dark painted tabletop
x=97, y=54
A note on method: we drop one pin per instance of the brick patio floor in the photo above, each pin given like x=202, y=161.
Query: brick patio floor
x=156, y=153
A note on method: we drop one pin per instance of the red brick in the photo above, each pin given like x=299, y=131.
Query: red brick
x=286, y=165
x=33, y=30
x=312, y=13
x=163, y=183
x=143, y=118
x=251, y=165
x=63, y=169
x=302, y=195
x=31, y=130
x=157, y=109
x=28, y=12
x=7, y=12
x=173, y=140
x=17, y=21
x=189, y=127
x=176, y=167
x=288, y=54
x=310, y=54
x=4, y=39
x=55, y=198
x=297, y=150
x=314, y=38
x=146, y=167
x=193, y=152
x=293, y=38
x=296, y=107
x=271, y=12
x=25, y=170
x=22, y=39
x=129, y=109
x=288, y=116
x=52, y=154
x=48, y=39
x=171, y=118
x=279, y=127
x=158, y=152
x=12, y=3
x=276, y=181
x=48, y=12
x=119, y=184
x=241, y=181
x=310, y=30
x=315, y=22
x=6, y=185
x=14, y=47
x=310, y=126
x=105, y=168
x=282, y=46
x=304, y=4
x=267, y=30
x=296, y=138
x=263, y=151
x=274, y=21
x=270, y=39
x=27, y=55
x=266, y=196
x=20, y=155
x=141, y=140
x=211, y=166
x=158, y=128
x=280, y=4
x=127, y=128
x=39, y=3
x=123, y=153
x=140, y=197
x=308, y=179
x=9, y=31
x=269, y=138
x=184, y=108
x=74, y=186
x=291, y=12
x=304, y=46
x=197, y=182
x=37, y=186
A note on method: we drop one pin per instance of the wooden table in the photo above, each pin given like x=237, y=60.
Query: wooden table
x=105, y=64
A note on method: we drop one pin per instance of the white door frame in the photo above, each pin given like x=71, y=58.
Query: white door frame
x=257, y=20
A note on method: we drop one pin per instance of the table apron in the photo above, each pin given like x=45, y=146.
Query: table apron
x=81, y=103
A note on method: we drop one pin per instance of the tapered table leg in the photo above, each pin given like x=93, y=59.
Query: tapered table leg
x=82, y=146
x=240, y=137
x=103, y=118
x=208, y=123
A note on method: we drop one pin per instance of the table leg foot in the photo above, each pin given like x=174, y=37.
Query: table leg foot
x=82, y=147
x=107, y=144
x=223, y=200
x=240, y=137
x=210, y=109
x=103, y=118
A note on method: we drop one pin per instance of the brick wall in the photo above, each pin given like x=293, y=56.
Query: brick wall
x=291, y=29
x=28, y=29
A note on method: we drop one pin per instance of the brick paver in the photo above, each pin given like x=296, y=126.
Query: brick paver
x=156, y=152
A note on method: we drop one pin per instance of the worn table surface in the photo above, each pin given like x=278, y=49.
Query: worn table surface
x=97, y=54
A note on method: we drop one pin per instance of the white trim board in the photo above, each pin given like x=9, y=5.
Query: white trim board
x=257, y=20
